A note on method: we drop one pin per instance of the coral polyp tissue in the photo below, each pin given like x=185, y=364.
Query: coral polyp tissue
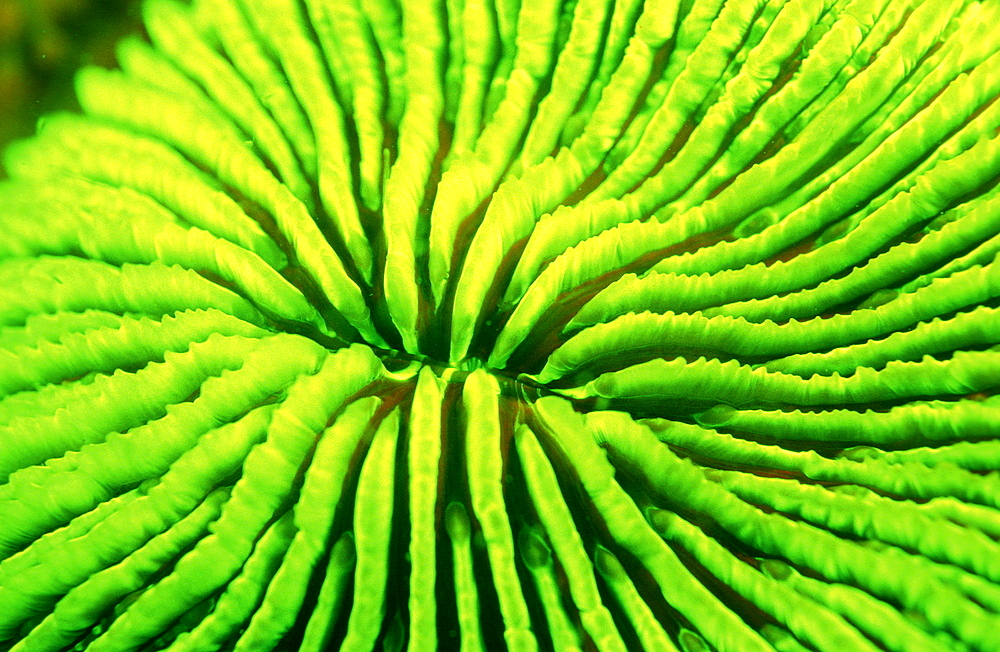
x=478, y=324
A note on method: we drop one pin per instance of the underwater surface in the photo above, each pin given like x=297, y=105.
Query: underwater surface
x=601, y=325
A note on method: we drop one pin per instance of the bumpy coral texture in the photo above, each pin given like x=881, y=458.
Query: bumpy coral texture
x=476, y=324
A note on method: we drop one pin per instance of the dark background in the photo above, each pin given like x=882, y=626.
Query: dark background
x=42, y=43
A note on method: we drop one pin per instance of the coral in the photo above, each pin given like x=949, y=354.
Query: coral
x=470, y=324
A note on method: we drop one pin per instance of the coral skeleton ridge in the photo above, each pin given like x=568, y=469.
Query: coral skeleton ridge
x=597, y=325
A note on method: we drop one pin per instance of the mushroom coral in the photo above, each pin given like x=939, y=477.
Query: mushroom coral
x=479, y=324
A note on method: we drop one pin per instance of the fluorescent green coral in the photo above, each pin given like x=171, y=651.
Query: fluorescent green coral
x=486, y=324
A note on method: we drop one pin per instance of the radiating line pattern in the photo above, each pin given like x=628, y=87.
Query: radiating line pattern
x=478, y=324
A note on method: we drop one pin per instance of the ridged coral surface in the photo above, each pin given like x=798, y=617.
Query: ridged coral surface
x=476, y=324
